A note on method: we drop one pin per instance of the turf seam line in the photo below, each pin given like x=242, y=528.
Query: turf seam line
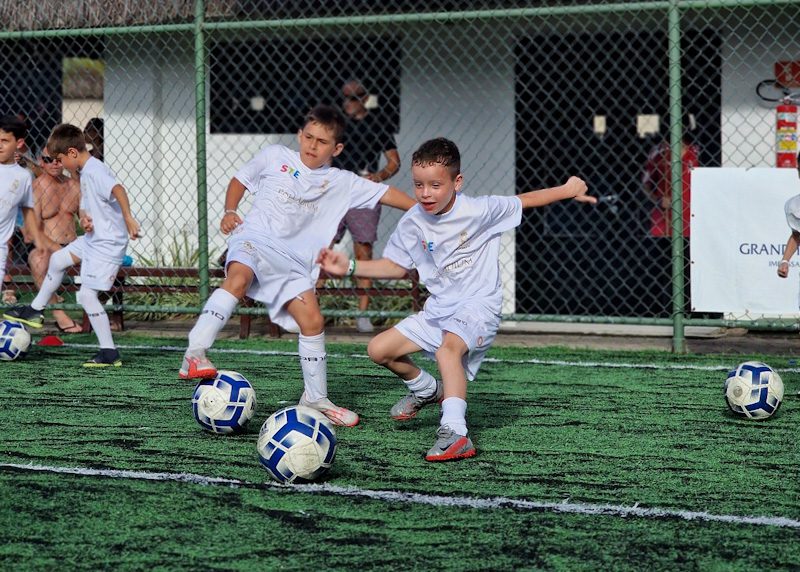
x=532, y=361
x=568, y=507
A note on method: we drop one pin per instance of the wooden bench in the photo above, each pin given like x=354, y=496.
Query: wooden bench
x=159, y=281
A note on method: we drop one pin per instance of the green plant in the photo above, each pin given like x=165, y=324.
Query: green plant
x=180, y=252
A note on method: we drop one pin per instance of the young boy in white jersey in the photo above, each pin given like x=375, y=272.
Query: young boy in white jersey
x=106, y=218
x=453, y=241
x=299, y=200
x=16, y=186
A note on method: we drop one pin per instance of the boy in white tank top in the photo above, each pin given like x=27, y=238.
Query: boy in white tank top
x=453, y=241
x=299, y=200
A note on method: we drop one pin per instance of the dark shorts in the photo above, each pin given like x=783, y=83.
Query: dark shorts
x=362, y=224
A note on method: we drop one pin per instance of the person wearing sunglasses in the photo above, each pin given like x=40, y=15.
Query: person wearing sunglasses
x=56, y=200
x=367, y=141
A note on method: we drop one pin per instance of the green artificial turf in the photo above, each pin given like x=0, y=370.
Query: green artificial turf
x=643, y=432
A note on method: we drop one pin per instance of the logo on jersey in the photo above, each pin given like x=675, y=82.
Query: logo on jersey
x=294, y=173
x=287, y=197
x=463, y=241
x=427, y=245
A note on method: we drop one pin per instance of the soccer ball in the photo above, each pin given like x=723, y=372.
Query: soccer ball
x=753, y=390
x=224, y=404
x=14, y=340
x=296, y=444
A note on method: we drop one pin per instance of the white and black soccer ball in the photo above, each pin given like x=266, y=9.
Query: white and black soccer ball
x=224, y=404
x=296, y=444
x=753, y=390
x=14, y=340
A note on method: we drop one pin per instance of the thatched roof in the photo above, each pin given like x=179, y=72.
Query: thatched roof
x=70, y=14
x=24, y=15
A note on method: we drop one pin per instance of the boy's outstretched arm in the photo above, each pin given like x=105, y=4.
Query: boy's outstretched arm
x=122, y=198
x=337, y=263
x=231, y=219
x=574, y=188
x=396, y=198
x=791, y=248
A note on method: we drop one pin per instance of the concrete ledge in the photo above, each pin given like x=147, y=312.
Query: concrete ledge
x=509, y=327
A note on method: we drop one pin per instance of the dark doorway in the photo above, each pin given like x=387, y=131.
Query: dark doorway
x=580, y=260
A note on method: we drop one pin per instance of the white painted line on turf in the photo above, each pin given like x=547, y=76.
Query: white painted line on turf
x=425, y=499
x=532, y=361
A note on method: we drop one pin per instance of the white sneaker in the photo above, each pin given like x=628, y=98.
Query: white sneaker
x=338, y=415
x=364, y=326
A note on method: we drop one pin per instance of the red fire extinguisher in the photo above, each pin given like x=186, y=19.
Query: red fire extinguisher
x=786, y=135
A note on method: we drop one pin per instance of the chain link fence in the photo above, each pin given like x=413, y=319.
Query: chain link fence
x=532, y=92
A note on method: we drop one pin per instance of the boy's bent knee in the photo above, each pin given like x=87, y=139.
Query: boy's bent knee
x=238, y=280
x=313, y=325
x=448, y=353
x=377, y=352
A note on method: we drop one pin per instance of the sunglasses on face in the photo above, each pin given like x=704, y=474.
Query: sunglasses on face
x=48, y=159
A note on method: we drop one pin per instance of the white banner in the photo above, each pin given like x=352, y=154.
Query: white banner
x=739, y=233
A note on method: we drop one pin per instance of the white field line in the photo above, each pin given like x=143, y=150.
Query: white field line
x=532, y=361
x=424, y=499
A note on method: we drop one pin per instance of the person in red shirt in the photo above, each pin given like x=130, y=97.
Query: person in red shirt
x=657, y=183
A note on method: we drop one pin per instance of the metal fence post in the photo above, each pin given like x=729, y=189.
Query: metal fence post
x=200, y=116
x=676, y=177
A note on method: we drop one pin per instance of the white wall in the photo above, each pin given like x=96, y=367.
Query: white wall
x=149, y=108
x=748, y=124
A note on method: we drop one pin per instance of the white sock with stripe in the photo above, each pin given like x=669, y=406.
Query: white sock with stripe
x=60, y=260
x=97, y=317
x=216, y=313
x=314, y=363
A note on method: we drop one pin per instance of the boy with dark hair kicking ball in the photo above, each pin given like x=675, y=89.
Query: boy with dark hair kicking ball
x=453, y=241
x=299, y=200
x=105, y=215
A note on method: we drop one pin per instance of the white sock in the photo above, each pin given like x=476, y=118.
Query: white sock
x=212, y=319
x=314, y=363
x=97, y=316
x=60, y=260
x=454, y=413
x=424, y=385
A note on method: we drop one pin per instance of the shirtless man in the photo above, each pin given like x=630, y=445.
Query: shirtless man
x=56, y=200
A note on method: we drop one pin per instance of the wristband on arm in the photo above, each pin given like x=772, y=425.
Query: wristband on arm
x=351, y=269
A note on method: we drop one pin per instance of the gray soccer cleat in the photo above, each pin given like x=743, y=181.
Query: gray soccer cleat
x=450, y=446
x=408, y=406
x=337, y=415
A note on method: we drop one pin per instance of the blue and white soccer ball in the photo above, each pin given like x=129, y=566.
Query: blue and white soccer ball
x=754, y=390
x=224, y=404
x=296, y=444
x=14, y=340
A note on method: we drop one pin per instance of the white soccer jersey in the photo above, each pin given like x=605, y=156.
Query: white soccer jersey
x=16, y=190
x=109, y=238
x=792, y=210
x=457, y=254
x=297, y=207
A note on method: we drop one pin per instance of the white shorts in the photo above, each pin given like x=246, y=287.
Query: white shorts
x=279, y=276
x=475, y=324
x=95, y=274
